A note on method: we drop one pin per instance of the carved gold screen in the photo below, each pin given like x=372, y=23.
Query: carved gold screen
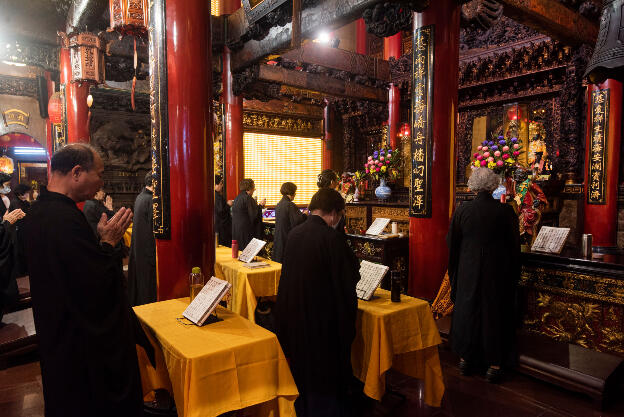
x=271, y=160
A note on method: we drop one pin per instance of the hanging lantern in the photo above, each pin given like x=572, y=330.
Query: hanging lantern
x=129, y=17
x=55, y=108
x=87, y=57
x=6, y=165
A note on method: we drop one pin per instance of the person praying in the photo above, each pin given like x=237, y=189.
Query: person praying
x=246, y=214
x=142, y=263
x=222, y=215
x=94, y=207
x=87, y=333
x=329, y=179
x=5, y=189
x=287, y=216
x=484, y=269
x=316, y=308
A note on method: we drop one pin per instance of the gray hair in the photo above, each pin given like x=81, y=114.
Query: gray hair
x=483, y=179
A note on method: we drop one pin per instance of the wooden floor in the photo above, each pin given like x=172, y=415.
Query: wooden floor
x=20, y=396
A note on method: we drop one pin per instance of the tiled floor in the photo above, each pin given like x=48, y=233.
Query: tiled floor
x=518, y=396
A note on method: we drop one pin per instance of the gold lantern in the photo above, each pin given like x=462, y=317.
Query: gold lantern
x=129, y=17
x=87, y=57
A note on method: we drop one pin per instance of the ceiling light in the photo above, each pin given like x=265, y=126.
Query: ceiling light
x=17, y=64
x=323, y=37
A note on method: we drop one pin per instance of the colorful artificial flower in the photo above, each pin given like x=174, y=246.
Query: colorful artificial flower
x=480, y=157
x=483, y=163
x=381, y=158
x=495, y=147
x=477, y=164
x=479, y=147
x=516, y=146
x=491, y=165
x=505, y=148
x=514, y=140
x=516, y=153
x=485, y=148
x=505, y=156
x=383, y=168
x=486, y=155
x=497, y=153
x=499, y=163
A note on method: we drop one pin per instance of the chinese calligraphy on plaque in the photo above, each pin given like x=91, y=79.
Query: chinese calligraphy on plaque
x=422, y=122
x=597, y=164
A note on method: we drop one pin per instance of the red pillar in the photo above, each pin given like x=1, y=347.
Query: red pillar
x=328, y=142
x=601, y=219
x=428, y=251
x=233, y=131
x=76, y=102
x=360, y=37
x=190, y=148
x=392, y=48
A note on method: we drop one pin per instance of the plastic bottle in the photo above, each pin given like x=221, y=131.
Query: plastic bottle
x=196, y=281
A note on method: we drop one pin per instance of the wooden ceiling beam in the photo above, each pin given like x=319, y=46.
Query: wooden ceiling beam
x=320, y=83
x=326, y=15
x=553, y=19
x=339, y=59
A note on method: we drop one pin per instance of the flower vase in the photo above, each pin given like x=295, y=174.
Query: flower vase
x=383, y=192
x=356, y=195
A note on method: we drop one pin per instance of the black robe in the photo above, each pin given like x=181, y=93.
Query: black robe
x=287, y=216
x=93, y=210
x=85, y=328
x=7, y=254
x=142, y=264
x=315, y=315
x=223, y=220
x=246, y=219
x=484, y=269
x=19, y=269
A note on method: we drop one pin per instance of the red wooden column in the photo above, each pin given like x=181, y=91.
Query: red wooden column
x=328, y=142
x=190, y=149
x=233, y=126
x=76, y=102
x=428, y=251
x=392, y=48
x=360, y=37
x=601, y=212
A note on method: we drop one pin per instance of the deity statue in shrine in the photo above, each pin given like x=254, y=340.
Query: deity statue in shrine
x=529, y=202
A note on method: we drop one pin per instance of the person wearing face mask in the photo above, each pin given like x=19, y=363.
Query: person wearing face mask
x=316, y=308
x=5, y=179
x=246, y=214
x=287, y=216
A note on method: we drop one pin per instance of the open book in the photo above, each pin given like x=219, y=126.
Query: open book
x=550, y=239
x=207, y=300
x=251, y=250
x=371, y=275
x=378, y=226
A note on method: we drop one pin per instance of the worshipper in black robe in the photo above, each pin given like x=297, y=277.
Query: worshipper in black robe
x=484, y=269
x=329, y=179
x=316, y=309
x=287, y=216
x=5, y=189
x=20, y=202
x=7, y=258
x=85, y=328
x=142, y=263
x=94, y=207
x=222, y=215
x=246, y=215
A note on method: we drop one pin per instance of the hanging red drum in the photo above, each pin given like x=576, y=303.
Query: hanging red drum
x=129, y=17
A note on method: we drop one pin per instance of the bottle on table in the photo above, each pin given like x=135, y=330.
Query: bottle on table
x=196, y=281
x=395, y=286
x=234, y=249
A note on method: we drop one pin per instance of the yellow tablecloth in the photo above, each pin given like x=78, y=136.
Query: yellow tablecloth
x=402, y=336
x=127, y=237
x=247, y=284
x=220, y=367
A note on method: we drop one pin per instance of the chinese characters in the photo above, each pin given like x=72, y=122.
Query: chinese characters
x=597, y=164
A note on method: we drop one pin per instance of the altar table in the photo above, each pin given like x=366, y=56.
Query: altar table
x=220, y=367
x=402, y=336
x=247, y=284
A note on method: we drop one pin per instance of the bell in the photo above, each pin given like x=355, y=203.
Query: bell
x=608, y=57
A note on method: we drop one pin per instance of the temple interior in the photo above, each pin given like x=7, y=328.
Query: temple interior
x=401, y=103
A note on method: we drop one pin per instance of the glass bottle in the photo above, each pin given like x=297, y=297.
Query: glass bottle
x=196, y=282
x=395, y=286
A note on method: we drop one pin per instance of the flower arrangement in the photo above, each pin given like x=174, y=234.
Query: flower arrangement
x=500, y=155
x=384, y=163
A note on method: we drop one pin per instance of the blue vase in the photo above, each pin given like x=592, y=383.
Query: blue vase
x=383, y=192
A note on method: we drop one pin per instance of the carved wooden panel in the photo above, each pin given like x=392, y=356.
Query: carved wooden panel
x=355, y=219
x=400, y=215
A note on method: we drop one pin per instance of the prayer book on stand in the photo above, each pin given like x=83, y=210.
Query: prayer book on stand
x=207, y=300
x=251, y=250
x=378, y=226
x=371, y=275
x=550, y=239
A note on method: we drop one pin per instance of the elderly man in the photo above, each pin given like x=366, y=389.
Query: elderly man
x=86, y=329
x=484, y=269
x=316, y=308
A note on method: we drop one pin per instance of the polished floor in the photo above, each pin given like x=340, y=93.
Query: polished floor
x=518, y=395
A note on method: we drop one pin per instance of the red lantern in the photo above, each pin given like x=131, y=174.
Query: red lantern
x=87, y=57
x=55, y=108
x=129, y=17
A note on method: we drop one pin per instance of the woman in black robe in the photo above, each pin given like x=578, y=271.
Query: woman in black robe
x=222, y=215
x=246, y=215
x=287, y=216
x=484, y=269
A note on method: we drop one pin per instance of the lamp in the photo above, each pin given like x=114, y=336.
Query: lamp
x=87, y=57
x=129, y=17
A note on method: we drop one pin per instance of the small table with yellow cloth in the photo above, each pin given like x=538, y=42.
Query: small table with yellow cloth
x=247, y=284
x=220, y=367
x=402, y=336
